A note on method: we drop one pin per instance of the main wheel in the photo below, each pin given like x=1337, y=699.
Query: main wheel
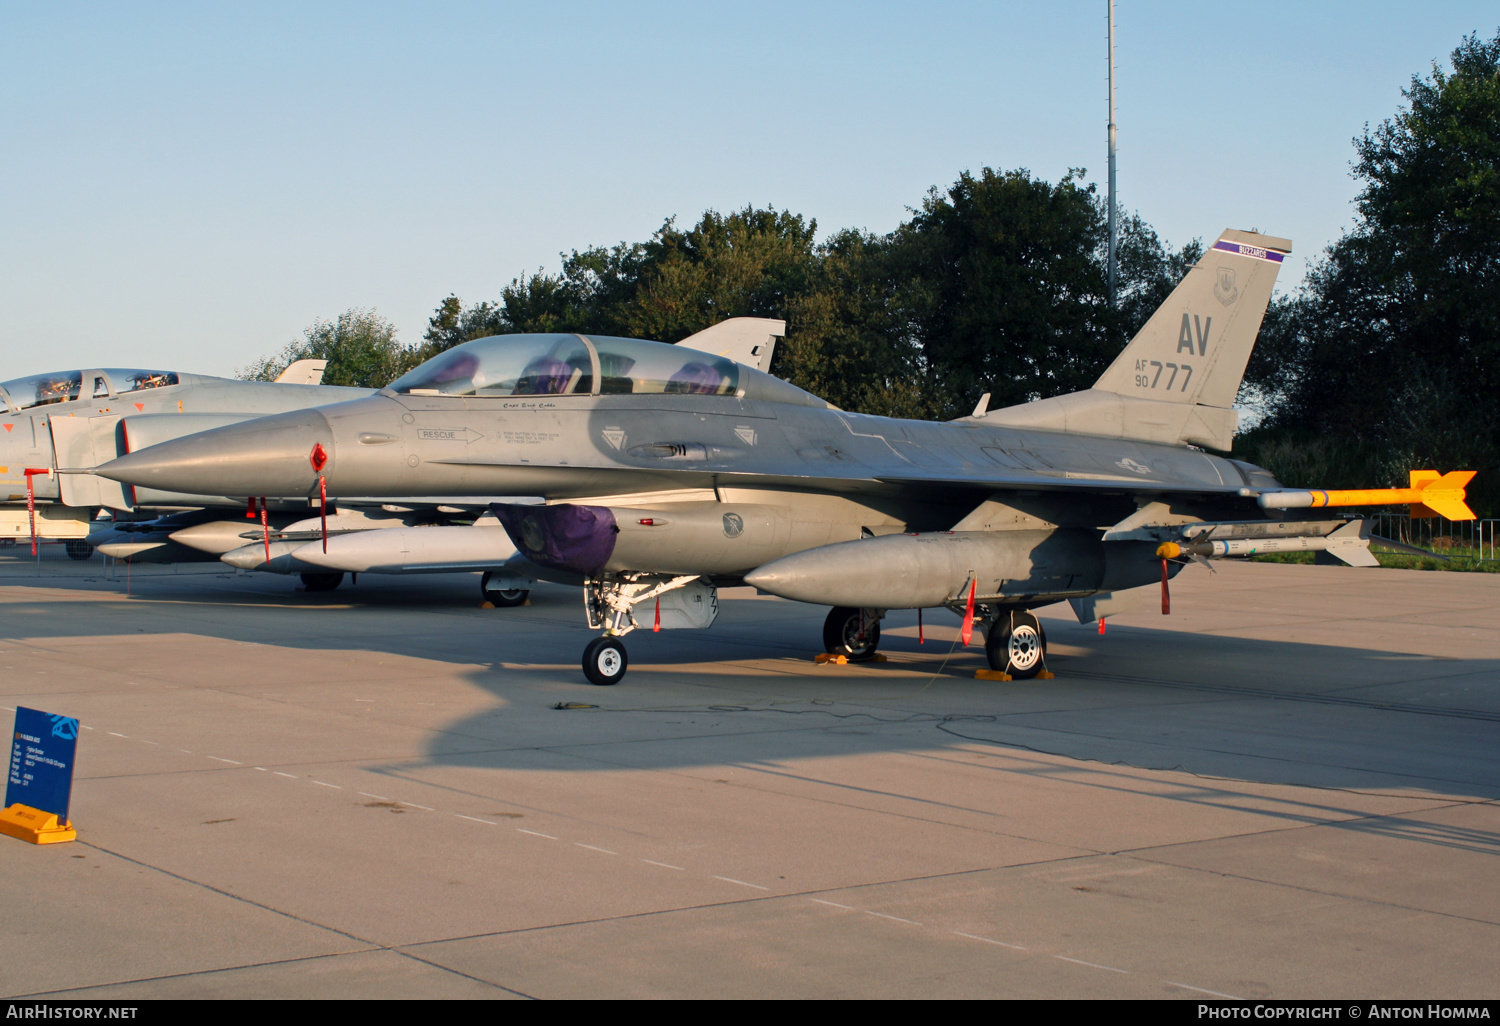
x=80, y=550
x=502, y=596
x=322, y=582
x=852, y=633
x=604, y=661
x=1016, y=645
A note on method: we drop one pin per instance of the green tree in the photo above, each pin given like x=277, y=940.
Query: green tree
x=999, y=287
x=1396, y=335
x=996, y=285
x=360, y=347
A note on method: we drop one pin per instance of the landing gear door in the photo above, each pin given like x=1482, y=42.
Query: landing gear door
x=691, y=607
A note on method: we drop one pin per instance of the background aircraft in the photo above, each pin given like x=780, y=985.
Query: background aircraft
x=669, y=472
x=79, y=418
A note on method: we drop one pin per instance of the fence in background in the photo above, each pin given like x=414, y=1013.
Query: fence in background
x=1472, y=538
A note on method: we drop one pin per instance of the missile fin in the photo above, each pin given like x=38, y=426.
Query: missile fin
x=1442, y=494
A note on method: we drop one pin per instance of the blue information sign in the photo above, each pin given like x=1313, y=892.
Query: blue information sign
x=41, y=762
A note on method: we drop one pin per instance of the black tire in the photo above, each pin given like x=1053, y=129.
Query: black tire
x=322, y=582
x=80, y=550
x=503, y=597
x=852, y=633
x=1017, y=645
x=605, y=661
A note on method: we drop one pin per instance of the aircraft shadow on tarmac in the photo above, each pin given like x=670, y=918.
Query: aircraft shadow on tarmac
x=747, y=692
x=1271, y=712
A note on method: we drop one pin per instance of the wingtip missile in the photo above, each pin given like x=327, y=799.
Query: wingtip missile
x=1431, y=494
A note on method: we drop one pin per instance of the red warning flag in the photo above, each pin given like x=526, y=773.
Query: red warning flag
x=1166, y=600
x=323, y=508
x=30, y=473
x=265, y=527
x=968, y=631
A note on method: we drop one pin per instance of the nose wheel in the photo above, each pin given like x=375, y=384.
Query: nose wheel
x=1016, y=645
x=605, y=661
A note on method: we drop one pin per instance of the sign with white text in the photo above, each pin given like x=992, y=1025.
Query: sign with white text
x=41, y=762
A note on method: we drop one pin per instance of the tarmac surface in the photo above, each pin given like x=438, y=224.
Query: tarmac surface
x=1287, y=789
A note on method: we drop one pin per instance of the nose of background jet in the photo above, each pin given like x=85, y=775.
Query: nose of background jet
x=272, y=456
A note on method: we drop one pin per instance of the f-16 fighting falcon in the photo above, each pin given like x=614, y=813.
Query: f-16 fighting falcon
x=668, y=473
x=80, y=418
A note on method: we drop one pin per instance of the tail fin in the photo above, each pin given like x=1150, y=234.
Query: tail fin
x=1442, y=494
x=1195, y=347
x=1177, y=379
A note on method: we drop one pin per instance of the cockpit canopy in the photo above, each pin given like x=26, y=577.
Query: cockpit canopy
x=44, y=389
x=540, y=365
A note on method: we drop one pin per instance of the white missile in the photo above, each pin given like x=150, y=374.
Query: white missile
x=412, y=550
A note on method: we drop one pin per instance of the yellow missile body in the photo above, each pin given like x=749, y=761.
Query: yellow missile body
x=1431, y=494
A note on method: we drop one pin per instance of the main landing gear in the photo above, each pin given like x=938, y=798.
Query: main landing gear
x=323, y=581
x=1016, y=644
x=852, y=633
x=501, y=597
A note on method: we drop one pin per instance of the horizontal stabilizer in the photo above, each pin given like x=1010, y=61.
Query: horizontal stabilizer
x=746, y=340
x=303, y=372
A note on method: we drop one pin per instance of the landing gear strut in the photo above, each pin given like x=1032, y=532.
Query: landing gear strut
x=852, y=633
x=1016, y=644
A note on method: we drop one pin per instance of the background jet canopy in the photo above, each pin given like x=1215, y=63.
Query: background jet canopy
x=506, y=365
x=62, y=386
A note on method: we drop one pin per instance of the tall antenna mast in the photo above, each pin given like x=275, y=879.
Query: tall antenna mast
x=1113, y=220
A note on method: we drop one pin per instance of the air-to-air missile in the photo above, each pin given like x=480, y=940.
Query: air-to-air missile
x=668, y=473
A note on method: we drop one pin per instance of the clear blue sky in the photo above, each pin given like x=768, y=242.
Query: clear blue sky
x=189, y=185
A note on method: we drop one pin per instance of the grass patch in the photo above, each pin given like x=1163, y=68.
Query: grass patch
x=1397, y=560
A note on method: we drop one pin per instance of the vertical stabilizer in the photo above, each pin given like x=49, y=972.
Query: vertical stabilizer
x=1177, y=379
x=1195, y=347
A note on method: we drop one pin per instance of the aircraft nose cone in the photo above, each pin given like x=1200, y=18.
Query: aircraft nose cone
x=282, y=455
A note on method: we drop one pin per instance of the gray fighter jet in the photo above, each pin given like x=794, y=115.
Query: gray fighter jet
x=669, y=472
x=81, y=418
